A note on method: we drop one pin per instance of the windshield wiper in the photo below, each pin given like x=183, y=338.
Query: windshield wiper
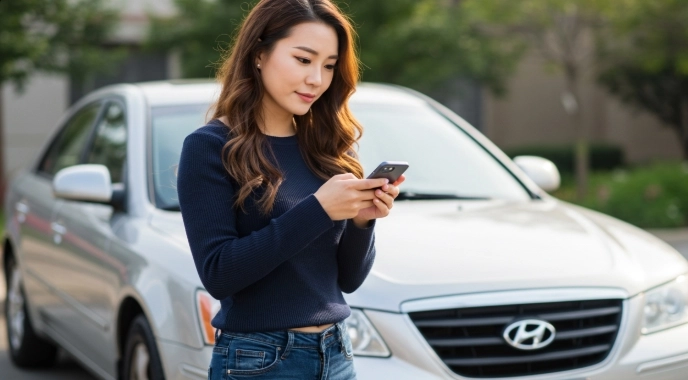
x=408, y=195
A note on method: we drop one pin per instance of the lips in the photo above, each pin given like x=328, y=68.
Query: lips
x=308, y=98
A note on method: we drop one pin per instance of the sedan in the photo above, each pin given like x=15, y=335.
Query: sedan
x=479, y=272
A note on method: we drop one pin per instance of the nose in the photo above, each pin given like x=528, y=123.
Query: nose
x=314, y=77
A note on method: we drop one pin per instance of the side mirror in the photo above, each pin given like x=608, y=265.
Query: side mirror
x=86, y=183
x=542, y=171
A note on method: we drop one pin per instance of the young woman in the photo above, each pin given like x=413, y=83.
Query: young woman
x=278, y=217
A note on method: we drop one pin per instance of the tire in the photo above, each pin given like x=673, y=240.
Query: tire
x=141, y=358
x=27, y=350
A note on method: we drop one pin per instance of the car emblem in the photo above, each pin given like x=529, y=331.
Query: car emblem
x=529, y=334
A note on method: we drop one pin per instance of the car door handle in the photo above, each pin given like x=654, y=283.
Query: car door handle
x=22, y=209
x=58, y=230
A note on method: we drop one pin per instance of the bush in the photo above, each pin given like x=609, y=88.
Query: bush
x=653, y=196
x=602, y=156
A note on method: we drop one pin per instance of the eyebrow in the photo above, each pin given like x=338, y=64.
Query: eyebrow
x=313, y=51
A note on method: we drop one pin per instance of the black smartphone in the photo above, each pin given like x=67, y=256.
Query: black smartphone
x=391, y=170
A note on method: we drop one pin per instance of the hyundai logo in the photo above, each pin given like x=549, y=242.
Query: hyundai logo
x=529, y=334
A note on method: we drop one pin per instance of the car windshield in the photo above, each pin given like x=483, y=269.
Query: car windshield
x=444, y=161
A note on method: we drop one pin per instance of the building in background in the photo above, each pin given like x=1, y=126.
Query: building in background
x=532, y=114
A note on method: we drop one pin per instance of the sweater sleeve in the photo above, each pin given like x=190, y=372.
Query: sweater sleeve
x=227, y=263
x=355, y=255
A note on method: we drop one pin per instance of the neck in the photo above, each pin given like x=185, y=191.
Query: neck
x=276, y=120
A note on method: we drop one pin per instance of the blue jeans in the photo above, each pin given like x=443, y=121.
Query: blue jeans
x=285, y=354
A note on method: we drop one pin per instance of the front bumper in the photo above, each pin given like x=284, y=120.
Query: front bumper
x=659, y=356
x=181, y=362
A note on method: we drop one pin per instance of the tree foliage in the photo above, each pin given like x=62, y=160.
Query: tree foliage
x=199, y=33
x=643, y=58
x=54, y=36
x=417, y=43
x=421, y=43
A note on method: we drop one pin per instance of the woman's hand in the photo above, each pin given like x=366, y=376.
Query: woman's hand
x=343, y=196
x=382, y=204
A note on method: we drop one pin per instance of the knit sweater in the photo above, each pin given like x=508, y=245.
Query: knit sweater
x=275, y=272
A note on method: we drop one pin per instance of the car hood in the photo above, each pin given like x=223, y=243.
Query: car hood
x=436, y=248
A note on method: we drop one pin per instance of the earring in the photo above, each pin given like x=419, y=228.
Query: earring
x=258, y=65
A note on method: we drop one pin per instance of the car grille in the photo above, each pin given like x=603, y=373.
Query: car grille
x=470, y=341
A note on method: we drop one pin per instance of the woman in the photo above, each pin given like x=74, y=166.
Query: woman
x=278, y=217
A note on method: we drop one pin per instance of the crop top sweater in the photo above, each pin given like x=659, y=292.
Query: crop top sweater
x=275, y=272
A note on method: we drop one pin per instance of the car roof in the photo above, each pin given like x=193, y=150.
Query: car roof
x=190, y=91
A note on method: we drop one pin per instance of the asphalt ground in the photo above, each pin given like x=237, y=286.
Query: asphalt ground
x=67, y=368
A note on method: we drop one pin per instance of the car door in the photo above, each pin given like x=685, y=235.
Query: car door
x=93, y=275
x=44, y=272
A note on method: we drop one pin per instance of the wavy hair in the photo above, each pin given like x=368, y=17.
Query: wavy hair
x=326, y=134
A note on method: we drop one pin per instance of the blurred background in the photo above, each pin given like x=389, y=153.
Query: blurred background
x=600, y=87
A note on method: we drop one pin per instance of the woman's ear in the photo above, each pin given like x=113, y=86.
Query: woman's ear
x=259, y=59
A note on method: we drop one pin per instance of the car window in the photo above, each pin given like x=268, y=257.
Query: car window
x=170, y=126
x=109, y=142
x=67, y=147
x=443, y=159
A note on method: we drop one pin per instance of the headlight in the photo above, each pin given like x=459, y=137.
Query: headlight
x=665, y=305
x=364, y=339
x=207, y=307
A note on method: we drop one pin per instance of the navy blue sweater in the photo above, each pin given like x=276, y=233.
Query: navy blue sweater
x=274, y=272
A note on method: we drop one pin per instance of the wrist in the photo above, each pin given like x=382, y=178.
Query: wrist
x=361, y=223
x=315, y=195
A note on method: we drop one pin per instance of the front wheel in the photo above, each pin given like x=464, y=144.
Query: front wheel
x=27, y=350
x=141, y=358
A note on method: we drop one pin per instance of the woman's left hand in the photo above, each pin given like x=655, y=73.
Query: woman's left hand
x=382, y=204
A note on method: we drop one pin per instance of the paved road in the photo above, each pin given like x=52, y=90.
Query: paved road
x=67, y=369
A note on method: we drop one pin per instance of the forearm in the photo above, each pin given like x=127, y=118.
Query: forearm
x=355, y=255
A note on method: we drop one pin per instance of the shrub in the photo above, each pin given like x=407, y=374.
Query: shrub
x=653, y=196
x=602, y=156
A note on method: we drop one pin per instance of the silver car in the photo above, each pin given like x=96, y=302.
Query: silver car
x=479, y=273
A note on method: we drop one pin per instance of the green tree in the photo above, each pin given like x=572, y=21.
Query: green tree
x=417, y=43
x=423, y=43
x=643, y=56
x=199, y=33
x=61, y=36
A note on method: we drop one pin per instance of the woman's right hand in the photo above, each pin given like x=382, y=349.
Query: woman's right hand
x=343, y=195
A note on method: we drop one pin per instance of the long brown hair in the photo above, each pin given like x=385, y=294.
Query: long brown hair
x=326, y=134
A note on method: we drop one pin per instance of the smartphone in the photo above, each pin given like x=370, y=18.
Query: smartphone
x=391, y=170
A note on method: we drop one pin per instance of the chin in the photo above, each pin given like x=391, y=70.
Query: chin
x=299, y=110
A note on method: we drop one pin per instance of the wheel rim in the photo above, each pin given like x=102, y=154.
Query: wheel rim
x=140, y=360
x=15, y=309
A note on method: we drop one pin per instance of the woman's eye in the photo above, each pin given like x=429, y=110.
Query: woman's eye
x=304, y=60
x=330, y=67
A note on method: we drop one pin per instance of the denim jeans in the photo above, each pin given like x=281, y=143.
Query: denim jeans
x=285, y=354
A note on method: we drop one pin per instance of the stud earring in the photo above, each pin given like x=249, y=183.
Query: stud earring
x=258, y=65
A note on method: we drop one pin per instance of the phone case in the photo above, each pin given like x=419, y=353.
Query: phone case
x=391, y=170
